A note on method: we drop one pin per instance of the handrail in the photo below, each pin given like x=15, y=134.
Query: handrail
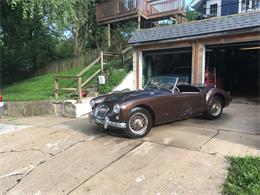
x=66, y=77
x=78, y=77
x=88, y=67
x=127, y=50
x=90, y=78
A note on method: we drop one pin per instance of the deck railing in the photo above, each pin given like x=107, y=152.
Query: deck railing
x=108, y=9
x=158, y=7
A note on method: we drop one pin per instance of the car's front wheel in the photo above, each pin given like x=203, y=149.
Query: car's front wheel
x=139, y=123
x=215, y=108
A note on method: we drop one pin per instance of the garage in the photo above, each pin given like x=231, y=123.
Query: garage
x=236, y=67
x=224, y=51
x=167, y=62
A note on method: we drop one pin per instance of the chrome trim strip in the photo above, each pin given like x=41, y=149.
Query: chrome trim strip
x=106, y=122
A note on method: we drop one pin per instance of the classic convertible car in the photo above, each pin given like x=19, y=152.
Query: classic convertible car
x=163, y=100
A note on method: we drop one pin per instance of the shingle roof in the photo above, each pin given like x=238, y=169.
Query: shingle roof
x=201, y=27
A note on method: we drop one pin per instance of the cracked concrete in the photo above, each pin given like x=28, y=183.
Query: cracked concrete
x=78, y=166
x=13, y=168
x=153, y=169
x=70, y=156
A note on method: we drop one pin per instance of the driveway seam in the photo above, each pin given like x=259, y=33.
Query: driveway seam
x=105, y=167
x=223, y=129
x=184, y=148
x=216, y=134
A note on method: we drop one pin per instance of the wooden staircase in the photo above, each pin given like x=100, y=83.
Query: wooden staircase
x=78, y=78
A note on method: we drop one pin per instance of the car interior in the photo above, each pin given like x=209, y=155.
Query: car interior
x=188, y=89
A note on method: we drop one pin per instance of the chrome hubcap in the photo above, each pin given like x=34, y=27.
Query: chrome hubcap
x=216, y=108
x=138, y=123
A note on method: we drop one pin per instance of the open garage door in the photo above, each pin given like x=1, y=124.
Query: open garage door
x=167, y=62
x=237, y=68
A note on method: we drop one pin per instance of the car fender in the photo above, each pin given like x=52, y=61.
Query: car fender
x=216, y=92
x=126, y=107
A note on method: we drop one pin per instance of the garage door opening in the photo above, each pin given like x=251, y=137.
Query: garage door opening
x=170, y=62
x=237, y=68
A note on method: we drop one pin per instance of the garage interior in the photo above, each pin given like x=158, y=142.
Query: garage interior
x=237, y=68
x=167, y=62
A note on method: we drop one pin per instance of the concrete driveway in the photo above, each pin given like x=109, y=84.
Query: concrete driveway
x=70, y=156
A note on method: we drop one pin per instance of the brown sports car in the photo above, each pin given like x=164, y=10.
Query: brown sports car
x=164, y=99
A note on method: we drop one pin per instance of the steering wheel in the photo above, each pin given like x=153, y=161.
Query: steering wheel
x=177, y=89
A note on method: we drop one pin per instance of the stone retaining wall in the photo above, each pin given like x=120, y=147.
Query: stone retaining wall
x=43, y=108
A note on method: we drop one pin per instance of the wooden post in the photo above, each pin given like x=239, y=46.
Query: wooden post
x=139, y=21
x=79, y=88
x=108, y=36
x=102, y=61
x=123, y=60
x=137, y=68
x=56, y=88
x=198, y=63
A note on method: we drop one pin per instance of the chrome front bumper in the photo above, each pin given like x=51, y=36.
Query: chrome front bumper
x=106, y=122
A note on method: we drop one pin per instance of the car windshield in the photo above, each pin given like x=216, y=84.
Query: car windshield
x=162, y=82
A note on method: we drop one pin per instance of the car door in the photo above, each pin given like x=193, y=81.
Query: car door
x=171, y=107
x=194, y=103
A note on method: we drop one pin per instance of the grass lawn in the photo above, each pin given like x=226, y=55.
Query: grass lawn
x=243, y=177
x=42, y=87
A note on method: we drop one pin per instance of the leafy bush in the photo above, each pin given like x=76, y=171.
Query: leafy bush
x=243, y=176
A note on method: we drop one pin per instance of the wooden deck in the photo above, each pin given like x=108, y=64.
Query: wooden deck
x=111, y=11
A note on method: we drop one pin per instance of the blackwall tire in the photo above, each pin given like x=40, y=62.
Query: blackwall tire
x=139, y=123
x=215, y=108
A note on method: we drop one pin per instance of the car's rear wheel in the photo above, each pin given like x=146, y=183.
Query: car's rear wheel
x=215, y=108
x=139, y=123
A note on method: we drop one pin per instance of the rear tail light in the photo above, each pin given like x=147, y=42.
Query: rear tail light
x=1, y=98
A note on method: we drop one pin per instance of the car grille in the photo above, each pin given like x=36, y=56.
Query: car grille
x=101, y=111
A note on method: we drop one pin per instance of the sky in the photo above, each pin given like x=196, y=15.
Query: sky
x=188, y=1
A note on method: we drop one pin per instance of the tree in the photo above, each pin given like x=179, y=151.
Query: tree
x=191, y=15
x=75, y=16
x=26, y=43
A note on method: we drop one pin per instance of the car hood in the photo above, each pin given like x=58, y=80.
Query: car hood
x=132, y=95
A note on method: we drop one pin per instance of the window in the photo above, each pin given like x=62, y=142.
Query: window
x=255, y=4
x=126, y=5
x=213, y=10
x=250, y=5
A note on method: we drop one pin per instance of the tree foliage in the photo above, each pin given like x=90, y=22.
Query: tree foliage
x=27, y=43
x=191, y=15
x=35, y=32
x=77, y=17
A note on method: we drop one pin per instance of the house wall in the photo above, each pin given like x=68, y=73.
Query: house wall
x=229, y=7
x=202, y=7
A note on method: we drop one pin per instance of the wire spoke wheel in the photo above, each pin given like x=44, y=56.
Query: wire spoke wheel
x=216, y=108
x=138, y=123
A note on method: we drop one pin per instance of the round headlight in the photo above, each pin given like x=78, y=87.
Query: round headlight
x=92, y=103
x=116, y=109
